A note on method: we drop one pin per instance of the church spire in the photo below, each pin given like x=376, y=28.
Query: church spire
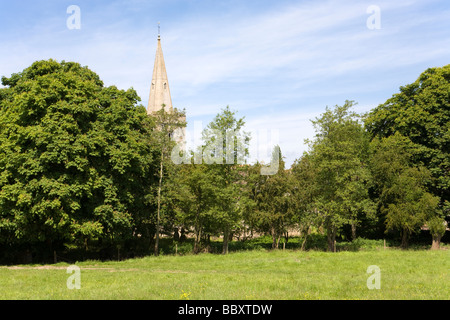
x=159, y=89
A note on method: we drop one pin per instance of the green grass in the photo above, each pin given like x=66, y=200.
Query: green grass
x=258, y=274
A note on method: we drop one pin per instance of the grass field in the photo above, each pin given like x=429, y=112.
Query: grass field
x=255, y=275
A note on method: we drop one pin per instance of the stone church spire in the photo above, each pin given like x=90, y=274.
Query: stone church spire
x=160, y=93
x=159, y=89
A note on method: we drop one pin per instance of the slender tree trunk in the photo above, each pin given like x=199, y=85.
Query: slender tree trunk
x=158, y=215
x=304, y=240
x=331, y=238
x=198, y=231
x=353, y=231
x=304, y=243
x=274, y=238
x=225, y=241
x=198, y=235
x=405, y=236
x=176, y=235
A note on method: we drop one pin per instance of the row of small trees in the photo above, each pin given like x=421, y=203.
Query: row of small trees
x=385, y=171
x=346, y=179
x=82, y=165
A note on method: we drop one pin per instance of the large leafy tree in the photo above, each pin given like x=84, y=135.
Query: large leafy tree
x=402, y=186
x=338, y=157
x=75, y=157
x=421, y=112
x=225, y=148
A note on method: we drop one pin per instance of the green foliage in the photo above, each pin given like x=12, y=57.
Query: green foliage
x=226, y=144
x=304, y=192
x=338, y=157
x=195, y=194
x=271, y=196
x=168, y=125
x=437, y=226
x=412, y=168
x=82, y=166
x=403, y=196
x=75, y=156
x=421, y=112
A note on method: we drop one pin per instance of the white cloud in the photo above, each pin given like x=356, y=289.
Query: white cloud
x=276, y=67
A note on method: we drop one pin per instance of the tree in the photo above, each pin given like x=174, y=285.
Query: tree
x=338, y=156
x=195, y=197
x=303, y=191
x=403, y=195
x=437, y=226
x=411, y=205
x=225, y=148
x=421, y=112
x=272, y=200
x=167, y=125
x=75, y=157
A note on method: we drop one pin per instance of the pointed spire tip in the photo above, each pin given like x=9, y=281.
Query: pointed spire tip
x=159, y=30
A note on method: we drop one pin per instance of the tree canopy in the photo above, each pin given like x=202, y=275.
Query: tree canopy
x=75, y=156
x=421, y=112
x=401, y=187
x=225, y=147
x=339, y=161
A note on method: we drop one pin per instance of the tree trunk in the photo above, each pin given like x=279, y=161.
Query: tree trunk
x=159, y=206
x=286, y=236
x=176, y=234
x=198, y=231
x=304, y=240
x=182, y=235
x=274, y=238
x=405, y=236
x=353, y=231
x=331, y=238
x=225, y=241
x=304, y=243
x=436, y=242
x=198, y=234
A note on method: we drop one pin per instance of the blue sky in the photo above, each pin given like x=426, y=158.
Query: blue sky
x=278, y=63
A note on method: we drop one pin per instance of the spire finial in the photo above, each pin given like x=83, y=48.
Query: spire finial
x=159, y=30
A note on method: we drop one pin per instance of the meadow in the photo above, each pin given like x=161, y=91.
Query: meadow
x=254, y=275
